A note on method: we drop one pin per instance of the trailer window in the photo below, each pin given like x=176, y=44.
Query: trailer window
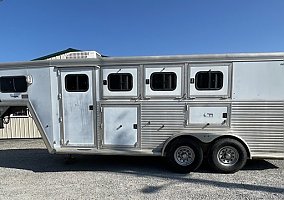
x=209, y=80
x=163, y=81
x=76, y=83
x=13, y=84
x=120, y=82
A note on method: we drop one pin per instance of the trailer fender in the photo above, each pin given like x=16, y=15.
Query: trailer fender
x=205, y=138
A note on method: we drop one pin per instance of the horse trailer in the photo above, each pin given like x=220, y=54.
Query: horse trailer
x=223, y=107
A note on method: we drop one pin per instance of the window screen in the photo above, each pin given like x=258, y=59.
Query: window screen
x=209, y=80
x=120, y=82
x=163, y=81
x=13, y=84
x=76, y=82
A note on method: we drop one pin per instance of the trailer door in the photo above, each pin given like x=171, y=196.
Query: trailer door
x=120, y=126
x=77, y=107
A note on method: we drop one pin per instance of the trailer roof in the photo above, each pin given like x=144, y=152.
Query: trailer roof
x=135, y=60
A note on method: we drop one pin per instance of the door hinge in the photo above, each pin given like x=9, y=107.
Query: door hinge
x=186, y=122
x=59, y=96
x=186, y=107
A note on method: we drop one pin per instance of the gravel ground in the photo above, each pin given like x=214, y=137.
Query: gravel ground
x=28, y=171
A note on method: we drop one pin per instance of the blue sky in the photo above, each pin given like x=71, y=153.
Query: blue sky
x=34, y=28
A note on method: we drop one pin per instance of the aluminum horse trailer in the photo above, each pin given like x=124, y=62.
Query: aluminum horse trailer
x=227, y=108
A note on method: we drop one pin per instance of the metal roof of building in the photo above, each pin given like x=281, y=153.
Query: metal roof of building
x=57, y=54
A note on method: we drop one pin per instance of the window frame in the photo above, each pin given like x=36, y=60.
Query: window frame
x=209, y=88
x=224, y=93
x=14, y=84
x=164, y=81
x=177, y=68
x=129, y=86
x=77, y=83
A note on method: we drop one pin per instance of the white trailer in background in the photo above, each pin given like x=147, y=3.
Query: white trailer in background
x=227, y=108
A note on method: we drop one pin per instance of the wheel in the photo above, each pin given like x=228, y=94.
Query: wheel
x=227, y=155
x=184, y=156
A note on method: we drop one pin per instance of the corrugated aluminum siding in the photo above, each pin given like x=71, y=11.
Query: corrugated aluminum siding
x=259, y=124
x=160, y=120
x=20, y=127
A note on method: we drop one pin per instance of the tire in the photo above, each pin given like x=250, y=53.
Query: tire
x=227, y=155
x=184, y=156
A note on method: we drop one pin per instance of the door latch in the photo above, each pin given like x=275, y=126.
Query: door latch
x=134, y=126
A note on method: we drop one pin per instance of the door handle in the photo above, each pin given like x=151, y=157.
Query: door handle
x=91, y=107
x=120, y=126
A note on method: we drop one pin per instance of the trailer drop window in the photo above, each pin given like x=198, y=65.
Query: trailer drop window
x=13, y=84
x=76, y=83
x=163, y=81
x=209, y=80
x=120, y=82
